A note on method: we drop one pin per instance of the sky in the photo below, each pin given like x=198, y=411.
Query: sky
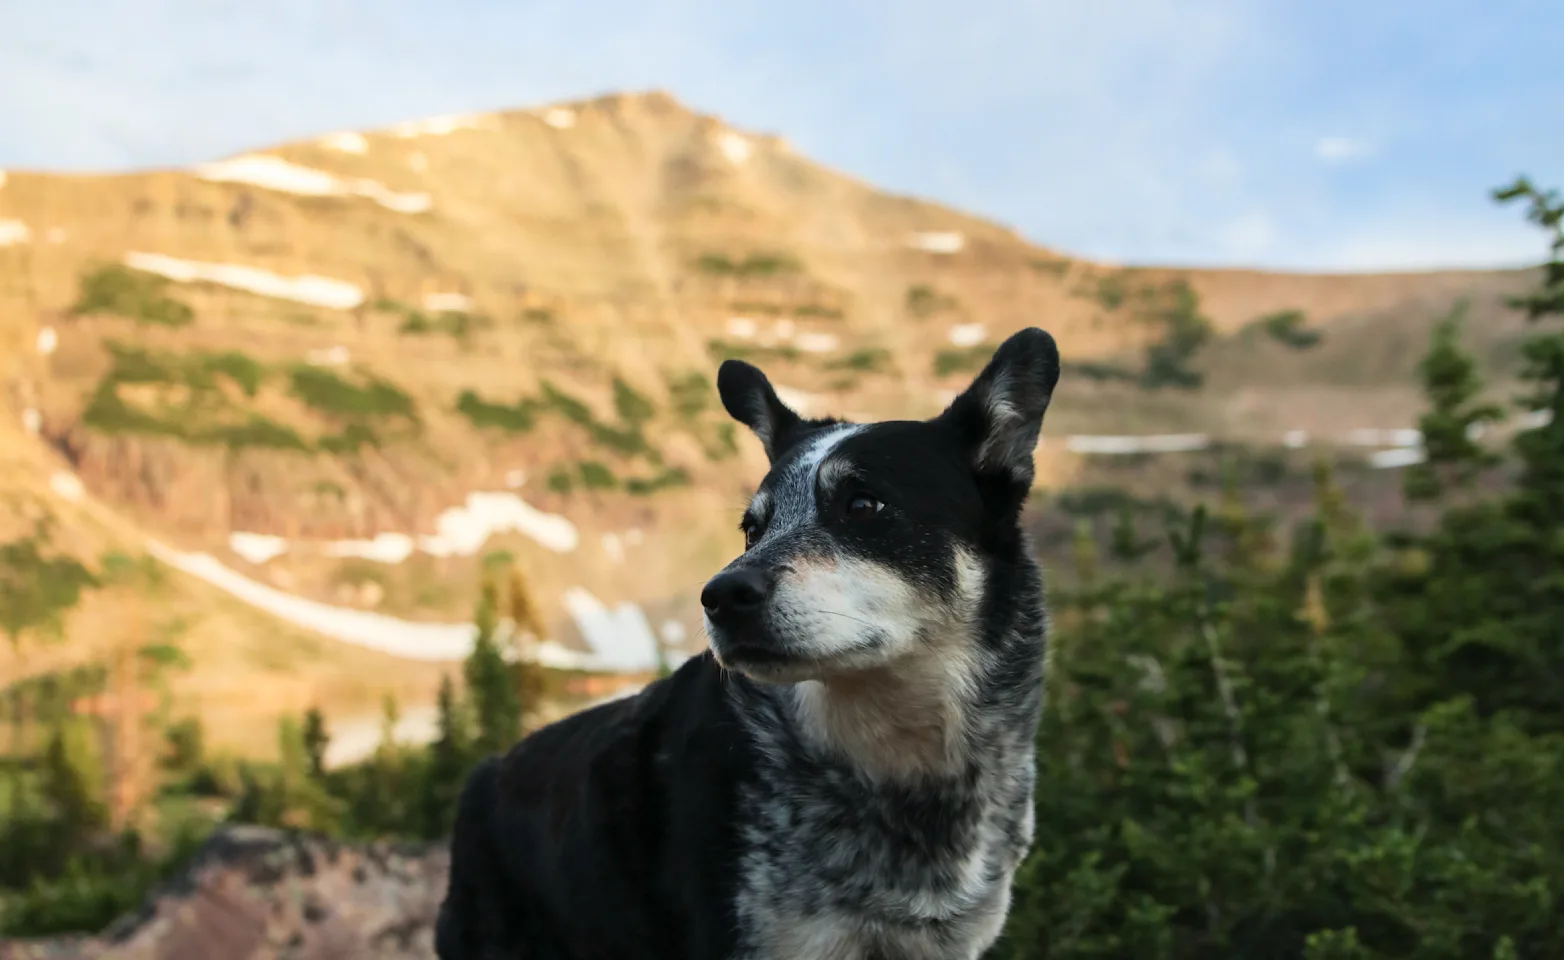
x=1288, y=134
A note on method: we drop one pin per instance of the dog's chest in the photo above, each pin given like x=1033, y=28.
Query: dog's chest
x=833, y=868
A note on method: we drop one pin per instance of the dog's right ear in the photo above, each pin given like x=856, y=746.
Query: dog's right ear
x=750, y=399
x=999, y=417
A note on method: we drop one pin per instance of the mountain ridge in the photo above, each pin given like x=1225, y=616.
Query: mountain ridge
x=340, y=345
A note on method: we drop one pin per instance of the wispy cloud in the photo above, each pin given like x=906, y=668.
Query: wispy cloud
x=1135, y=130
x=1342, y=149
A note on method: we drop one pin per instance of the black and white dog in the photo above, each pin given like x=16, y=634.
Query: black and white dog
x=847, y=772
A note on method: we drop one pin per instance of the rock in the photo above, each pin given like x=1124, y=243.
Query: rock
x=253, y=893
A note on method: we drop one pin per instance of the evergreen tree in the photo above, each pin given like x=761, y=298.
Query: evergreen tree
x=491, y=685
x=1479, y=610
x=450, y=757
x=74, y=780
x=1454, y=424
x=316, y=740
x=527, y=675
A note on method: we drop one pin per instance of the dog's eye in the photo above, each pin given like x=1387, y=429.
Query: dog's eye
x=751, y=534
x=863, y=506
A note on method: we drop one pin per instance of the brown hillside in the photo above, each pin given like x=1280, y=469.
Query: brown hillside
x=626, y=239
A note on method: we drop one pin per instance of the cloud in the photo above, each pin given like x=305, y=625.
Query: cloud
x=1336, y=150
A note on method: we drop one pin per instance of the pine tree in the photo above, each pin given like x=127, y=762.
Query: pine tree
x=527, y=674
x=1480, y=613
x=450, y=758
x=73, y=779
x=491, y=686
x=1454, y=423
x=316, y=740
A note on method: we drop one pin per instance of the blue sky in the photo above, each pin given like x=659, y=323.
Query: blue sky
x=1315, y=134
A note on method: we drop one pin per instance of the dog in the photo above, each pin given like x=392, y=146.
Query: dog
x=847, y=772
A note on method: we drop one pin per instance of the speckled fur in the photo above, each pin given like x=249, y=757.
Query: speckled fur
x=847, y=773
x=837, y=865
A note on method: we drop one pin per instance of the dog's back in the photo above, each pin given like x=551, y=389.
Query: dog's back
x=608, y=834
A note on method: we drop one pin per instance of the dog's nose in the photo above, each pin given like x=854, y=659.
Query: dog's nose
x=735, y=594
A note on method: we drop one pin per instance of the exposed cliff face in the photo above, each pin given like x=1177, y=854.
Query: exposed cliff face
x=259, y=894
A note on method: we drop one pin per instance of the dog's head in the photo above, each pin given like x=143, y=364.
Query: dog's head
x=867, y=542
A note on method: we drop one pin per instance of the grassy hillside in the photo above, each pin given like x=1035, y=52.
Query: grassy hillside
x=535, y=302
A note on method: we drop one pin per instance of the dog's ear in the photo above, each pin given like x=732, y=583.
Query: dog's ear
x=999, y=417
x=750, y=399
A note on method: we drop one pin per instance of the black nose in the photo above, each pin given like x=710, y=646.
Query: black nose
x=735, y=594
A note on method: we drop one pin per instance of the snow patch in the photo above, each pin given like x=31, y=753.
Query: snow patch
x=345, y=142
x=1295, y=439
x=937, y=241
x=403, y=638
x=1398, y=457
x=967, y=334
x=257, y=548
x=461, y=531
x=439, y=126
x=673, y=633
x=32, y=421
x=352, y=741
x=515, y=479
x=13, y=232
x=48, y=340
x=275, y=173
x=447, y=302
x=1536, y=419
x=811, y=342
x=742, y=327
x=1156, y=443
x=332, y=357
x=1397, y=437
x=384, y=548
x=621, y=635
x=735, y=147
x=560, y=118
x=614, y=547
x=66, y=486
x=307, y=288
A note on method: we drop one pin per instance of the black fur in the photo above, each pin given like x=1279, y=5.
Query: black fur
x=706, y=817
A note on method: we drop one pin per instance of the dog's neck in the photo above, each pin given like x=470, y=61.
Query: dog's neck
x=897, y=722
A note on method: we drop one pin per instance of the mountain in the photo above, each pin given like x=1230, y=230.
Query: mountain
x=330, y=381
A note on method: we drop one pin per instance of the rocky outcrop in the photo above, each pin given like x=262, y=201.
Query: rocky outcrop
x=259, y=894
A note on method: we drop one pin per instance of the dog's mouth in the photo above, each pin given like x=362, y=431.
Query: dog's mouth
x=757, y=658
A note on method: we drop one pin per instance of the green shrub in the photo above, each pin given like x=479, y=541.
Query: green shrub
x=754, y=265
x=517, y=418
x=962, y=359
x=597, y=476
x=1289, y=328
x=327, y=393
x=923, y=301
x=37, y=590
x=130, y=293
x=866, y=360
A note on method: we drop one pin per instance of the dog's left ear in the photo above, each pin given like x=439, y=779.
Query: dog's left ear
x=750, y=399
x=1000, y=416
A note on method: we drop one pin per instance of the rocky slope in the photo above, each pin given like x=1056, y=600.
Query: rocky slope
x=260, y=894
